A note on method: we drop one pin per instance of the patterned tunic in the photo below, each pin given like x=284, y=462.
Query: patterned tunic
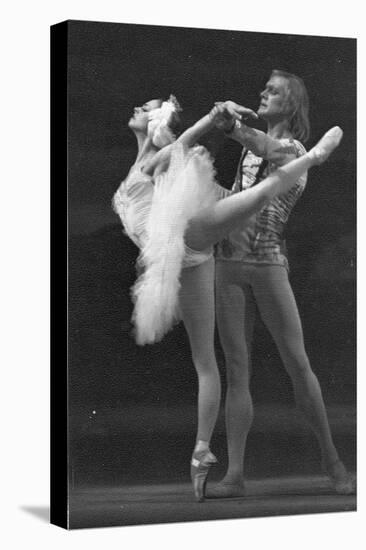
x=261, y=239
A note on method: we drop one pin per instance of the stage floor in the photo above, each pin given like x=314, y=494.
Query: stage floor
x=170, y=503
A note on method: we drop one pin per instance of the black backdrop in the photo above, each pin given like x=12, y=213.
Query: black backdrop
x=114, y=67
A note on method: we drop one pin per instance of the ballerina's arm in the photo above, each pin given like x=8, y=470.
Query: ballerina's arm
x=189, y=137
x=216, y=117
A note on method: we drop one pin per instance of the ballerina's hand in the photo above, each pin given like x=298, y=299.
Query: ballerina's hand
x=238, y=112
x=226, y=113
x=221, y=116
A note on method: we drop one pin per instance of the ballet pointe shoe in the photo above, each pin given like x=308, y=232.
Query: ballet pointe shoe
x=326, y=145
x=200, y=465
x=342, y=482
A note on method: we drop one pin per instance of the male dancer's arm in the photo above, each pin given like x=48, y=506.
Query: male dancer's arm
x=257, y=141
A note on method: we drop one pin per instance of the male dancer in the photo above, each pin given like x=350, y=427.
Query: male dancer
x=252, y=272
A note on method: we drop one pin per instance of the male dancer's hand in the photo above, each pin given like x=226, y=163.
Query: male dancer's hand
x=228, y=112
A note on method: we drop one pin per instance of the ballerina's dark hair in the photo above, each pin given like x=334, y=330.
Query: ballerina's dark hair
x=299, y=101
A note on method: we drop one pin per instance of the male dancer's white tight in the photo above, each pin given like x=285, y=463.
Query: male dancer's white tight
x=241, y=289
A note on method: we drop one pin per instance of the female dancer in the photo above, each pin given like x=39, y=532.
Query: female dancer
x=171, y=208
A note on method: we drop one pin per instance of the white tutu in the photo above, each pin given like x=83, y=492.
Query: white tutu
x=179, y=194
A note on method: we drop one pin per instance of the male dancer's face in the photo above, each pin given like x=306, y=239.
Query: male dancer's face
x=274, y=104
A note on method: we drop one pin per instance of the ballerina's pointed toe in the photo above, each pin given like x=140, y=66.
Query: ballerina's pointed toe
x=327, y=144
x=200, y=466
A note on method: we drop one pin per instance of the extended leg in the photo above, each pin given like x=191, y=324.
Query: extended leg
x=214, y=223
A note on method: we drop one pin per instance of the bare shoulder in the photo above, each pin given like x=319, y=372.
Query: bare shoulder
x=160, y=159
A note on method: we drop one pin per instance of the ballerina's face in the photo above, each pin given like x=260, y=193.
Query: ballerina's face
x=274, y=103
x=140, y=118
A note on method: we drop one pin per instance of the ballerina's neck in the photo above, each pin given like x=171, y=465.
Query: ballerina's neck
x=146, y=149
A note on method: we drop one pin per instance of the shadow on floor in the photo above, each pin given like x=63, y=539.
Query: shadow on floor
x=40, y=512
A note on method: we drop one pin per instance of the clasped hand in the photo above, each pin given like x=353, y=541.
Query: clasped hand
x=226, y=113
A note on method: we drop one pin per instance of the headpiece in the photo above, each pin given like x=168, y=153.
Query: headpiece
x=159, y=119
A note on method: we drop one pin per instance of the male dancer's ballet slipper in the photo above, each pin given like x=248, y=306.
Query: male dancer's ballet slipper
x=341, y=480
x=200, y=465
x=226, y=490
x=326, y=145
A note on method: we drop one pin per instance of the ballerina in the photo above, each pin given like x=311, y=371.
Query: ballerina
x=174, y=211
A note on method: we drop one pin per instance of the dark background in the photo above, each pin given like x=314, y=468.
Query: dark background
x=127, y=402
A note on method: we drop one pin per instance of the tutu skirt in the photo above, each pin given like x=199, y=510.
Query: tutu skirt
x=181, y=193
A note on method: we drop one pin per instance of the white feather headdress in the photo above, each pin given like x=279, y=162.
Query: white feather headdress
x=159, y=119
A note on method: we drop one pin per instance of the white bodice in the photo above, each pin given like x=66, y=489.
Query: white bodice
x=132, y=202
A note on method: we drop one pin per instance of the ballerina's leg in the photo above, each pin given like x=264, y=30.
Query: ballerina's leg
x=214, y=223
x=198, y=312
x=196, y=301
